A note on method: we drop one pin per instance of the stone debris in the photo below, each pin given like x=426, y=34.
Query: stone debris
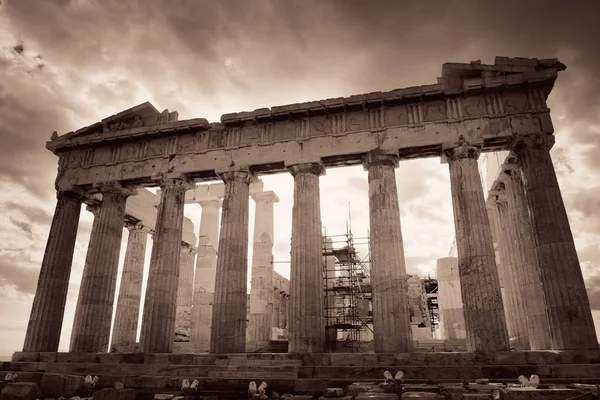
x=90, y=382
x=119, y=385
x=114, y=394
x=422, y=395
x=21, y=391
x=57, y=385
x=333, y=392
x=163, y=396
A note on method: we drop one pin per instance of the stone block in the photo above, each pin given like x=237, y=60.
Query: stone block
x=59, y=385
x=163, y=396
x=181, y=359
x=25, y=356
x=21, y=391
x=132, y=358
x=478, y=396
x=420, y=388
x=109, y=358
x=378, y=396
x=454, y=392
x=544, y=394
x=76, y=357
x=48, y=356
x=485, y=387
x=356, y=388
x=338, y=398
x=114, y=394
x=333, y=392
x=421, y=395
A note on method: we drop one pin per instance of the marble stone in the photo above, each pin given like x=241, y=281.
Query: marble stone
x=228, y=327
x=93, y=314
x=567, y=304
x=185, y=287
x=452, y=319
x=306, y=322
x=128, y=304
x=480, y=285
x=391, y=315
x=45, y=320
x=160, y=305
x=261, y=284
x=204, y=278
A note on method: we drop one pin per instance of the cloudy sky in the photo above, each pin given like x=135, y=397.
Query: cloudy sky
x=65, y=64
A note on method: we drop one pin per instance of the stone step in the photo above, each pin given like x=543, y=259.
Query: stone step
x=254, y=375
x=258, y=363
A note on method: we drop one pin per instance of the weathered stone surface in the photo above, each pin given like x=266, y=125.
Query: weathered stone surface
x=228, y=326
x=93, y=314
x=391, y=316
x=359, y=387
x=261, y=284
x=452, y=319
x=544, y=394
x=114, y=394
x=45, y=320
x=57, y=385
x=478, y=396
x=306, y=322
x=158, y=323
x=480, y=286
x=128, y=303
x=183, y=317
x=334, y=392
x=568, y=306
x=418, y=395
x=21, y=391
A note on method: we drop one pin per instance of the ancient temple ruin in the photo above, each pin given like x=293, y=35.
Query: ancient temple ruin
x=472, y=108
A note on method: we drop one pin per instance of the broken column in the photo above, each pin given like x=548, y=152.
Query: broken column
x=452, y=318
x=228, y=328
x=306, y=322
x=185, y=288
x=568, y=306
x=480, y=285
x=261, y=286
x=521, y=236
x=206, y=269
x=158, y=323
x=128, y=304
x=93, y=314
x=391, y=315
x=514, y=308
x=47, y=312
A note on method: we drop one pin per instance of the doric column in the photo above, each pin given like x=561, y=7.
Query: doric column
x=480, y=285
x=261, y=284
x=47, y=312
x=228, y=327
x=128, y=304
x=523, y=251
x=206, y=269
x=568, y=307
x=306, y=319
x=160, y=304
x=93, y=315
x=514, y=307
x=391, y=315
x=185, y=289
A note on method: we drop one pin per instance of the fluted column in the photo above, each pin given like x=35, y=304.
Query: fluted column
x=128, y=304
x=47, y=312
x=528, y=270
x=568, y=307
x=261, y=284
x=206, y=269
x=480, y=286
x=160, y=304
x=93, y=315
x=306, y=319
x=514, y=307
x=185, y=289
x=391, y=315
x=228, y=327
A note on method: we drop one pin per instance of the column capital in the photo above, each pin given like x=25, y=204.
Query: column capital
x=537, y=141
x=137, y=226
x=115, y=187
x=215, y=203
x=245, y=176
x=314, y=168
x=74, y=193
x=377, y=157
x=94, y=208
x=265, y=197
x=185, y=247
x=173, y=180
x=463, y=148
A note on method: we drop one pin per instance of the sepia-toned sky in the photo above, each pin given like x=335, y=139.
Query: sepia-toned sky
x=65, y=64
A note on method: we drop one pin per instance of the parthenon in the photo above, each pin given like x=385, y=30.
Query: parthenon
x=472, y=108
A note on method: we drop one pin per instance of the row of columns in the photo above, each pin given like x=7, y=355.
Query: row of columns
x=567, y=306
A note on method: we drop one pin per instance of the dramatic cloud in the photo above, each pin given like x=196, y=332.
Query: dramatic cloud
x=65, y=64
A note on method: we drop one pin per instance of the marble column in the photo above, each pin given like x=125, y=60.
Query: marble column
x=485, y=321
x=47, y=312
x=128, y=304
x=391, y=315
x=523, y=251
x=160, y=304
x=306, y=316
x=283, y=312
x=261, y=284
x=206, y=269
x=228, y=327
x=93, y=315
x=185, y=290
x=514, y=307
x=568, y=307
x=275, y=318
